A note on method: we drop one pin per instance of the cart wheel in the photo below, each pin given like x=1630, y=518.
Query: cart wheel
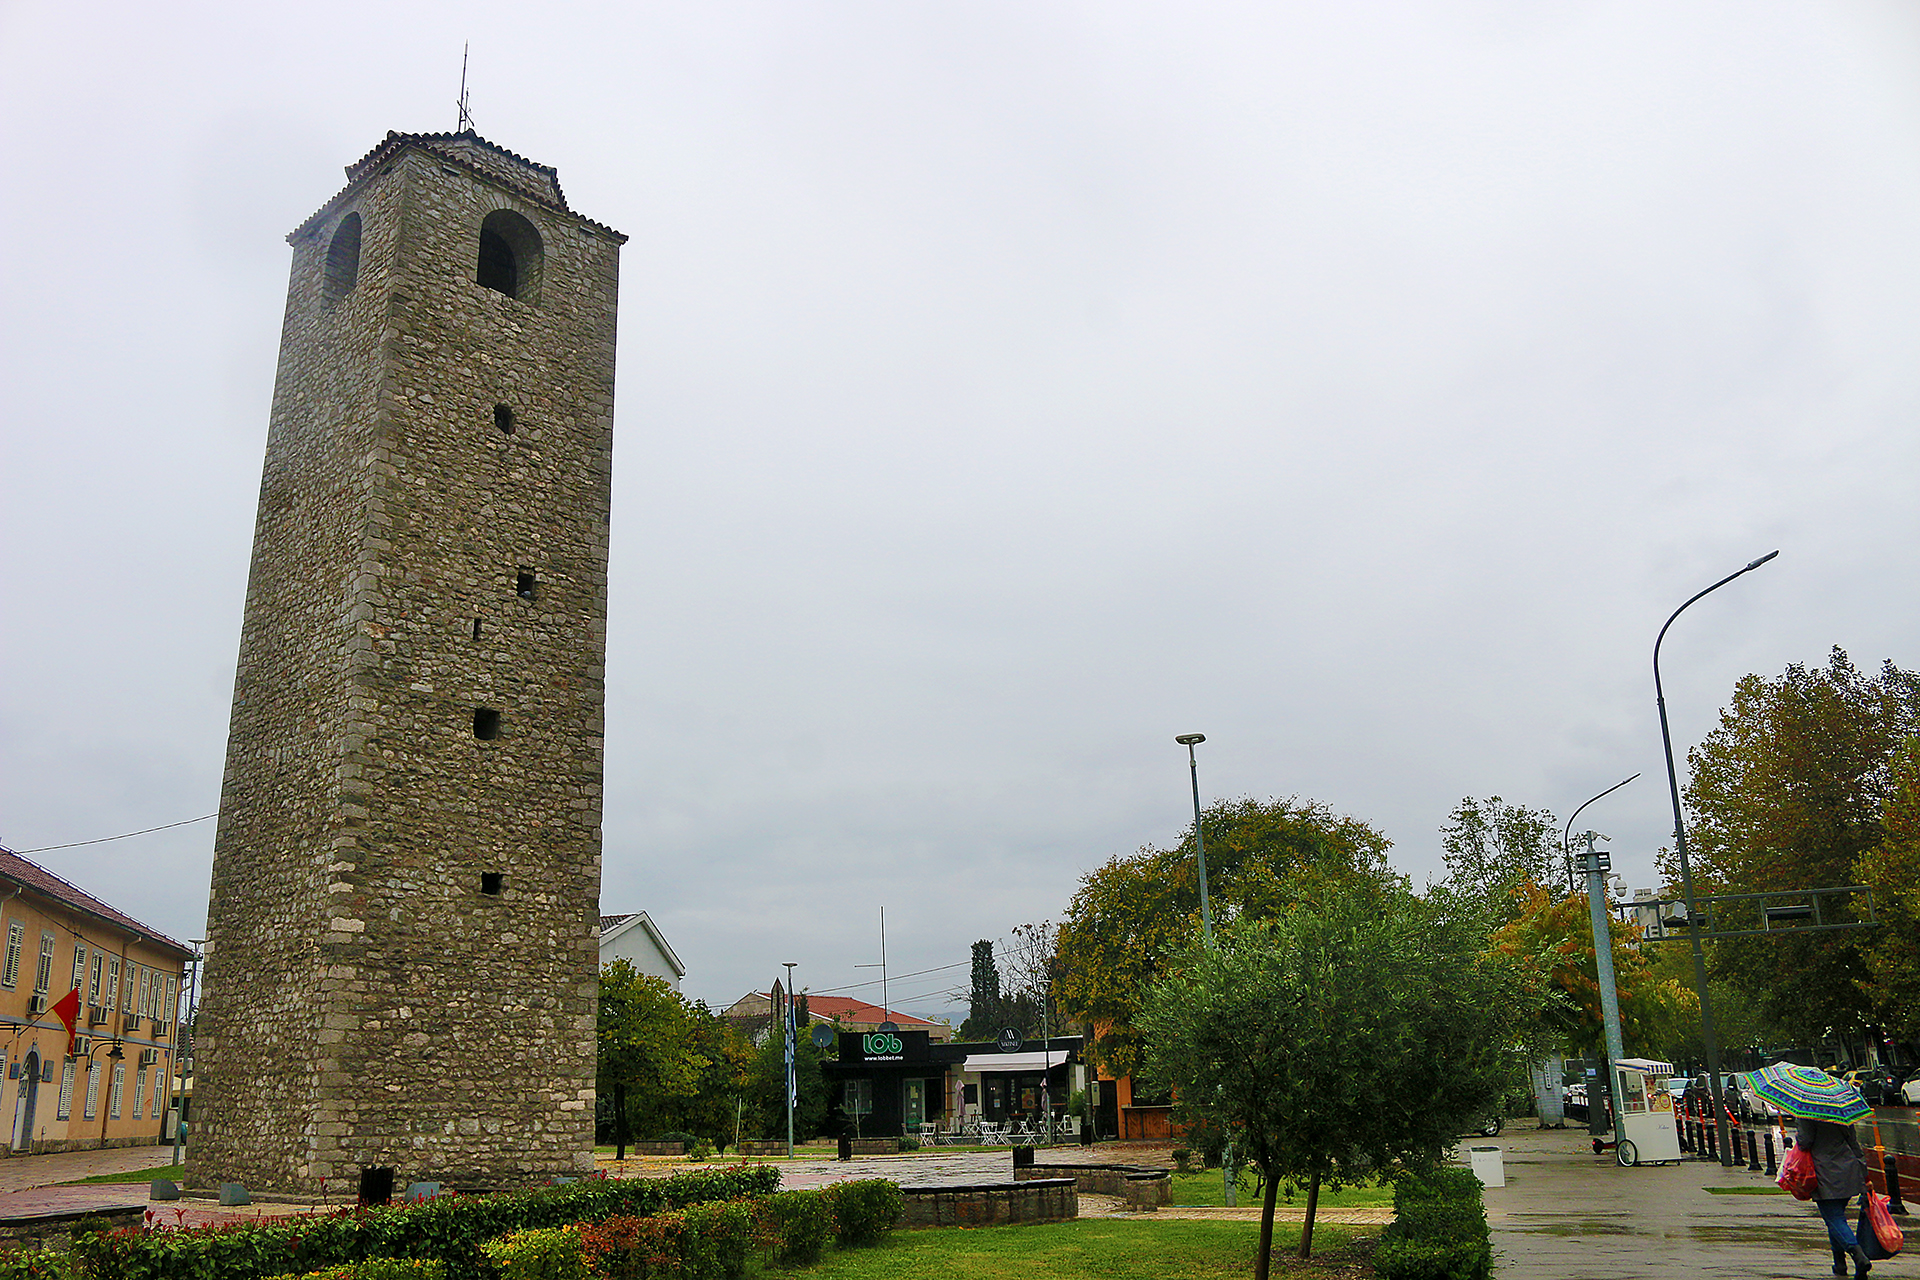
x=1627, y=1153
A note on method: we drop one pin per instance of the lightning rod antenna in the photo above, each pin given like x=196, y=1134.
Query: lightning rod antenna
x=466, y=118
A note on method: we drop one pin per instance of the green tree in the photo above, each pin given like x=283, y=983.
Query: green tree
x=711, y=1110
x=984, y=1017
x=647, y=1056
x=1492, y=848
x=1351, y=1033
x=1134, y=915
x=1788, y=793
x=1549, y=942
x=1892, y=869
x=766, y=1087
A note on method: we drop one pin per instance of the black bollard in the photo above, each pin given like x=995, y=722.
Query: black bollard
x=1713, y=1140
x=1892, y=1166
x=1753, y=1152
x=1773, y=1167
x=1686, y=1132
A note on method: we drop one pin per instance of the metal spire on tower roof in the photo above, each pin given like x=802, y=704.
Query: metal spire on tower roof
x=466, y=118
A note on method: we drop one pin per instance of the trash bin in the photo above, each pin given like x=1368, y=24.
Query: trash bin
x=1487, y=1166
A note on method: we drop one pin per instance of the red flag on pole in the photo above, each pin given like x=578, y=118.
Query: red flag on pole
x=68, y=1011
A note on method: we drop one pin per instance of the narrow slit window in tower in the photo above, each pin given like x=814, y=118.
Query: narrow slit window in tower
x=476, y=628
x=503, y=419
x=486, y=723
x=524, y=586
x=491, y=882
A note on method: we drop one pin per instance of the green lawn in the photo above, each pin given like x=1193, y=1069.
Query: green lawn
x=170, y=1171
x=1110, y=1249
x=1205, y=1188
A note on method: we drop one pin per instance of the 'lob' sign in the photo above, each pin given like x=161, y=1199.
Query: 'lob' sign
x=875, y=1046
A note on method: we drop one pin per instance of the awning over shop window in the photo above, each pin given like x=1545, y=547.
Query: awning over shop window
x=1026, y=1063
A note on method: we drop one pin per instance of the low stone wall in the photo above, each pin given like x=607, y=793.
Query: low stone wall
x=990, y=1205
x=1143, y=1189
x=876, y=1146
x=763, y=1147
x=660, y=1148
x=55, y=1230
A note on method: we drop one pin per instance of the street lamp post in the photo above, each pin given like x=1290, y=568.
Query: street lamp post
x=1189, y=741
x=1229, y=1188
x=180, y=1058
x=789, y=1031
x=1686, y=872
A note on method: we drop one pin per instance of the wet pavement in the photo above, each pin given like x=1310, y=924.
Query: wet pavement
x=1570, y=1215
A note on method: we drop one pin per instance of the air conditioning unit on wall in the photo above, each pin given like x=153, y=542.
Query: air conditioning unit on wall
x=149, y=1056
x=82, y=1046
x=36, y=1005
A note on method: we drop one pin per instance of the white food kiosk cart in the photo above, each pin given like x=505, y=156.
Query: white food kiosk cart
x=1644, y=1112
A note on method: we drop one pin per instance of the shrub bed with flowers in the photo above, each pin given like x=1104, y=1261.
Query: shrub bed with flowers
x=449, y=1230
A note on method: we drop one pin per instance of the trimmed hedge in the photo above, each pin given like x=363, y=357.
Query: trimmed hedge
x=449, y=1229
x=1439, y=1231
x=864, y=1211
x=36, y=1264
x=795, y=1226
x=379, y=1269
x=553, y=1253
x=700, y=1242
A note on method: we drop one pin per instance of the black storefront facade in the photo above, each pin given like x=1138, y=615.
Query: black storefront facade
x=886, y=1084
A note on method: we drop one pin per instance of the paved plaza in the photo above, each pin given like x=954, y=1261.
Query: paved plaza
x=1570, y=1215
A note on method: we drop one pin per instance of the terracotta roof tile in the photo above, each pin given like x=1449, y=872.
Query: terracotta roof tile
x=467, y=150
x=33, y=876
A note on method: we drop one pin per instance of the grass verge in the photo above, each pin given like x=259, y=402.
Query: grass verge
x=1206, y=1189
x=1110, y=1249
x=170, y=1171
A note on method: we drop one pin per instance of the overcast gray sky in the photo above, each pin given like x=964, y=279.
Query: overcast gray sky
x=1005, y=388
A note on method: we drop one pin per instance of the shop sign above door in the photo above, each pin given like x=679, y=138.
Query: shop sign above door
x=882, y=1045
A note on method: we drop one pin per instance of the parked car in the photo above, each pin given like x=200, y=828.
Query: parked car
x=1877, y=1084
x=1752, y=1107
x=1699, y=1099
x=1910, y=1091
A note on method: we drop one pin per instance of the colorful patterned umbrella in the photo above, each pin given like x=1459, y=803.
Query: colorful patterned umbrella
x=1810, y=1093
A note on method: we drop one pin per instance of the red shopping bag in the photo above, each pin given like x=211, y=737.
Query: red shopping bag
x=1796, y=1173
x=1885, y=1231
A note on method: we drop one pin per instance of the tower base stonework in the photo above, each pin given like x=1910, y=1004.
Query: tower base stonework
x=403, y=967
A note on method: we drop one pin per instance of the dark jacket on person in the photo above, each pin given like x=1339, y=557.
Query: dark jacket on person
x=1839, y=1166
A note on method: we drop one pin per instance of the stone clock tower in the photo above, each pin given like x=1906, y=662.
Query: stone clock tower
x=402, y=974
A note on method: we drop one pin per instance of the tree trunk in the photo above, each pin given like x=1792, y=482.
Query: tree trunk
x=1266, y=1228
x=620, y=1120
x=1313, y=1202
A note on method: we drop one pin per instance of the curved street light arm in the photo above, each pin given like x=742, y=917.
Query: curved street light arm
x=1566, y=836
x=1707, y=1035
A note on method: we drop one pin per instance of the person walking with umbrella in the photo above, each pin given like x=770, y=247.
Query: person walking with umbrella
x=1825, y=1109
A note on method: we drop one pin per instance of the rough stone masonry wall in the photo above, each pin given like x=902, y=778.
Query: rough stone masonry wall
x=445, y=1032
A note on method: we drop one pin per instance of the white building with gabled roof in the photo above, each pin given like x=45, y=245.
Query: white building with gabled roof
x=637, y=940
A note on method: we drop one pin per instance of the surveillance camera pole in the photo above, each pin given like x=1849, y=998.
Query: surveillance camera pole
x=1596, y=864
